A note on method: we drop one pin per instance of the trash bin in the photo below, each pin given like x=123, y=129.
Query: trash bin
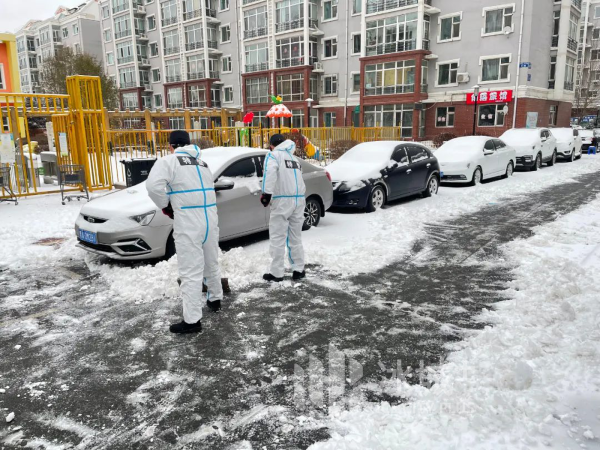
x=137, y=170
x=49, y=163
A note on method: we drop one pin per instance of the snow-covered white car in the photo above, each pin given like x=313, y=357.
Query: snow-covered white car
x=534, y=146
x=586, y=138
x=471, y=159
x=127, y=225
x=568, y=143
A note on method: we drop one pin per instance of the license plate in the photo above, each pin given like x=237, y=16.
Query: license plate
x=88, y=236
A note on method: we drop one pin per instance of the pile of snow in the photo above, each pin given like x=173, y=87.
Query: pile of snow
x=531, y=381
x=362, y=162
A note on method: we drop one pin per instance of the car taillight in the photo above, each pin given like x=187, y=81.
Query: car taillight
x=328, y=176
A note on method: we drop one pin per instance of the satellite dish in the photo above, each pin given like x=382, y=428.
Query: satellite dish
x=507, y=30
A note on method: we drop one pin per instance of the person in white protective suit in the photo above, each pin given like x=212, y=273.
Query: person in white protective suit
x=284, y=189
x=181, y=184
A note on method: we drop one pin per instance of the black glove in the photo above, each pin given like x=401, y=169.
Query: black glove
x=168, y=211
x=265, y=199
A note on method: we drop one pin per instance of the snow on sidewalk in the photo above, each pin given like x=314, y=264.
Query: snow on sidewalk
x=530, y=381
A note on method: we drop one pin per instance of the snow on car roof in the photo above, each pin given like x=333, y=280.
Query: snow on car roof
x=363, y=161
x=562, y=133
x=219, y=157
x=521, y=136
x=466, y=142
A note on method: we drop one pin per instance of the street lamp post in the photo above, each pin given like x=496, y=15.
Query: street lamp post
x=309, y=103
x=476, y=92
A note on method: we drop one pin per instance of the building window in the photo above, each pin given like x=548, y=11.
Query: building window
x=223, y=5
x=2, y=84
x=447, y=73
x=225, y=34
x=65, y=32
x=197, y=96
x=390, y=78
x=193, y=37
x=330, y=48
x=257, y=90
x=450, y=28
x=155, y=75
x=330, y=85
x=400, y=115
x=153, y=49
x=356, y=44
x=75, y=29
x=356, y=6
x=497, y=20
x=130, y=100
x=127, y=77
x=495, y=69
x=396, y=34
x=255, y=22
x=597, y=12
x=330, y=9
x=257, y=57
x=291, y=87
x=172, y=70
x=289, y=52
x=228, y=94
x=289, y=15
x=445, y=117
x=195, y=67
x=107, y=35
x=570, y=74
x=177, y=123
x=329, y=119
x=171, y=42
x=356, y=83
x=151, y=23
x=124, y=53
x=226, y=64
x=491, y=116
x=105, y=12
x=552, y=116
x=175, y=98
x=110, y=58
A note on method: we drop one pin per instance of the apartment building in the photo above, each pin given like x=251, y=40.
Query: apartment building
x=77, y=28
x=587, y=84
x=414, y=64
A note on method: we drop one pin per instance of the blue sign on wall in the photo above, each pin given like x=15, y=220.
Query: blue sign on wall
x=525, y=64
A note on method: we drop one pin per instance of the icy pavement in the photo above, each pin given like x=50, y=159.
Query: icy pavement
x=83, y=367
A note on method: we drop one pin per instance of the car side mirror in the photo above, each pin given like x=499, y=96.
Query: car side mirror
x=224, y=185
x=488, y=152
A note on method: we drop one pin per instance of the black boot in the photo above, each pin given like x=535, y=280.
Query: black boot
x=269, y=277
x=298, y=275
x=214, y=306
x=184, y=327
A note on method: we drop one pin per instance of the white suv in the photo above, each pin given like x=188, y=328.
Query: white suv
x=534, y=146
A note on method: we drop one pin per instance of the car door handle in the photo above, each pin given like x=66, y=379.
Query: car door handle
x=428, y=165
x=409, y=171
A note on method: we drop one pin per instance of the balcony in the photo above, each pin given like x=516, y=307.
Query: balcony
x=213, y=44
x=143, y=60
x=125, y=60
x=128, y=84
x=172, y=78
x=189, y=46
x=290, y=62
x=216, y=103
x=170, y=50
x=213, y=74
x=195, y=76
x=554, y=42
x=394, y=47
x=175, y=105
x=141, y=35
x=426, y=44
x=189, y=15
x=286, y=26
x=169, y=21
x=375, y=6
x=120, y=8
x=197, y=103
x=257, y=67
x=256, y=32
x=122, y=34
x=576, y=4
x=211, y=13
x=572, y=44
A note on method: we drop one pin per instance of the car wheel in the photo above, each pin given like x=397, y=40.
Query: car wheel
x=170, y=247
x=376, y=199
x=553, y=159
x=572, y=156
x=509, y=170
x=312, y=214
x=432, y=186
x=538, y=162
x=477, y=177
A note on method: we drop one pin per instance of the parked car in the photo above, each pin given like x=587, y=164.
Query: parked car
x=586, y=138
x=568, y=143
x=471, y=159
x=126, y=224
x=534, y=146
x=370, y=174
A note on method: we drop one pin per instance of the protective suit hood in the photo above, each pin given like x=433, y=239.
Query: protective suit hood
x=191, y=150
x=287, y=146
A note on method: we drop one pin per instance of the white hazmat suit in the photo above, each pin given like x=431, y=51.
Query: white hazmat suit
x=282, y=179
x=185, y=181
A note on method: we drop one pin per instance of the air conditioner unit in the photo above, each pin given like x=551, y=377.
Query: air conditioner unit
x=147, y=87
x=141, y=9
x=462, y=78
x=145, y=62
x=318, y=67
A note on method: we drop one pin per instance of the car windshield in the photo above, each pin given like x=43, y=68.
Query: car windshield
x=521, y=136
x=368, y=151
x=563, y=134
x=463, y=145
x=586, y=133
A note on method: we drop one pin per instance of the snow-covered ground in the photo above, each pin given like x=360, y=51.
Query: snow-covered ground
x=530, y=381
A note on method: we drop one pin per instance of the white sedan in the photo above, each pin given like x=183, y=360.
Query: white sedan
x=568, y=142
x=475, y=158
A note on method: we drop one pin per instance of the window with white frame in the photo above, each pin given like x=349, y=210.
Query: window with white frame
x=291, y=87
x=107, y=35
x=330, y=85
x=356, y=83
x=195, y=67
x=330, y=47
x=450, y=28
x=228, y=94
x=570, y=74
x=289, y=14
x=395, y=34
x=176, y=123
x=172, y=70
x=596, y=33
x=552, y=115
x=495, y=68
x=155, y=75
x=151, y=23
x=498, y=19
x=171, y=42
x=329, y=119
x=193, y=37
x=330, y=9
x=573, y=21
x=122, y=27
x=444, y=117
x=356, y=6
x=127, y=77
x=175, y=98
x=226, y=64
x=105, y=12
x=356, y=43
x=597, y=12
x=257, y=57
x=110, y=58
x=168, y=12
x=289, y=51
x=390, y=78
x=255, y=22
x=447, y=73
x=223, y=5
x=65, y=32
x=225, y=33
x=399, y=115
x=257, y=90
x=491, y=115
x=124, y=52
x=75, y=29
x=197, y=96
x=153, y=49
x=130, y=100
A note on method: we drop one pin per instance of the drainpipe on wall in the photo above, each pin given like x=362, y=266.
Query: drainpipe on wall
x=514, y=123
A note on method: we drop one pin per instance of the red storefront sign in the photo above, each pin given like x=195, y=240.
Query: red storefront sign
x=490, y=97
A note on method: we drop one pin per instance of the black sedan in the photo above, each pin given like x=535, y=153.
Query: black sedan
x=373, y=173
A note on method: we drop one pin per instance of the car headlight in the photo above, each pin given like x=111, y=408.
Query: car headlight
x=144, y=219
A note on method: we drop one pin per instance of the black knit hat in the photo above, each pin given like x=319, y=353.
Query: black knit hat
x=277, y=139
x=179, y=138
